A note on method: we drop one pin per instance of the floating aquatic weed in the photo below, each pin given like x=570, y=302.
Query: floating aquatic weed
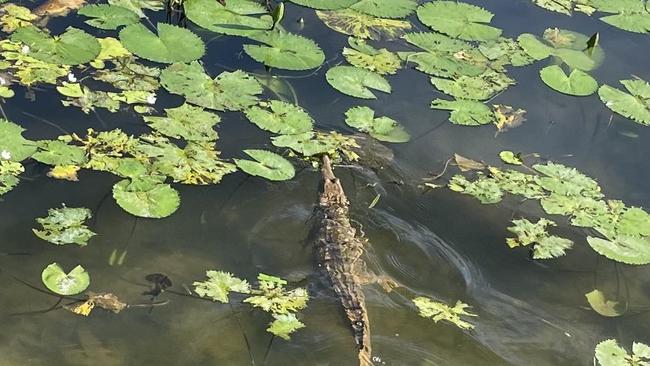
x=545, y=246
x=26, y=69
x=479, y=87
x=172, y=44
x=106, y=301
x=138, y=6
x=438, y=311
x=567, y=6
x=65, y=226
x=311, y=144
x=232, y=91
x=87, y=99
x=270, y=295
x=128, y=74
x=363, y=55
x=66, y=284
x=504, y=51
x=9, y=172
x=14, y=16
x=609, y=353
x=634, y=105
x=507, y=117
x=510, y=157
x=111, y=50
x=381, y=128
x=186, y=122
x=465, y=112
x=325, y=4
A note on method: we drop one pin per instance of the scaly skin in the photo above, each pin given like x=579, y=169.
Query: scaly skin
x=338, y=251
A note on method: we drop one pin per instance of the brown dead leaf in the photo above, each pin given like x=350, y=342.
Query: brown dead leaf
x=58, y=8
x=465, y=164
x=507, y=117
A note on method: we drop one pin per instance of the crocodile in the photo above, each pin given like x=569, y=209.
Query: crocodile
x=338, y=249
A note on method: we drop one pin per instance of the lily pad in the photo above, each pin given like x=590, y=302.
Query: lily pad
x=9, y=171
x=65, y=226
x=146, y=197
x=219, y=284
x=73, y=47
x=385, y=8
x=186, y=122
x=628, y=15
x=465, y=112
x=609, y=353
x=574, y=58
x=267, y=165
x=54, y=152
x=354, y=23
x=634, y=105
x=172, y=44
x=66, y=284
x=625, y=249
x=325, y=4
x=356, y=82
x=235, y=17
x=601, y=305
x=13, y=145
x=108, y=16
x=285, y=51
x=139, y=6
x=233, y=91
x=280, y=117
x=458, y=20
x=578, y=83
x=381, y=128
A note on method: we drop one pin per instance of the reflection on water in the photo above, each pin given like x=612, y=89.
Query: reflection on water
x=439, y=244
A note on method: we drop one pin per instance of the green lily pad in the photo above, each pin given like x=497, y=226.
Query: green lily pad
x=574, y=58
x=381, y=128
x=233, y=91
x=509, y=157
x=236, y=17
x=13, y=146
x=146, y=197
x=624, y=249
x=601, y=305
x=73, y=47
x=634, y=105
x=65, y=226
x=354, y=23
x=139, y=6
x=578, y=83
x=108, y=16
x=172, y=44
x=465, y=112
x=629, y=15
x=267, y=165
x=9, y=171
x=481, y=87
x=280, y=117
x=285, y=51
x=385, y=8
x=186, y=122
x=66, y=284
x=458, y=20
x=356, y=82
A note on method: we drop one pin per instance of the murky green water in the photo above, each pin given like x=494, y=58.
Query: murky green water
x=438, y=244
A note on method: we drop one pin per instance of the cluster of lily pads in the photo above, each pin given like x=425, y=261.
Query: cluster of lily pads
x=624, y=230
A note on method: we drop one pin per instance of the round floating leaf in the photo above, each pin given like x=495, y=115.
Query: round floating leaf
x=382, y=128
x=13, y=145
x=172, y=44
x=459, y=20
x=54, y=152
x=574, y=58
x=578, y=83
x=267, y=165
x=65, y=284
x=465, y=112
x=509, y=157
x=138, y=6
x=325, y=4
x=108, y=16
x=635, y=105
x=146, y=197
x=601, y=305
x=186, y=122
x=386, y=8
x=356, y=82
x=236, y=17
x=280, y=117
x=285, y=51
x=624, y=249
x=231, y=91
x=348, y=21
x=70, y=48
x=365, y=56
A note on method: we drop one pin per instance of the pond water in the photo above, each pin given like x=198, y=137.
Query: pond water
x=438, y=243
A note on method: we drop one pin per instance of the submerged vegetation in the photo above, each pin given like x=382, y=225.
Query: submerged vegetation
x=123, y=62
